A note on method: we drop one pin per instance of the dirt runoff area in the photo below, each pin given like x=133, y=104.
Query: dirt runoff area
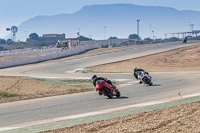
x=182, y=59
x=184, y=118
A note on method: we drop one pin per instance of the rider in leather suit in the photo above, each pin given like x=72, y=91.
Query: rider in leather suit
x=135, y=73
x=95, y=78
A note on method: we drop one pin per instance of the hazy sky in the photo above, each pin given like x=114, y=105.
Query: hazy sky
x=14, y=12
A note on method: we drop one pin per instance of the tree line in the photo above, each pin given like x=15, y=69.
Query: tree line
x=35, y=40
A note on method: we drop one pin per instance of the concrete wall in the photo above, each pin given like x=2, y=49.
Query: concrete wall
x=48, y=55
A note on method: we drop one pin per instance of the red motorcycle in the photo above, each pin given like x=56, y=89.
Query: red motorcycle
x=106, y=89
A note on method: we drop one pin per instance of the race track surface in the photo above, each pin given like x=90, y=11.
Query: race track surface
x=166, y=85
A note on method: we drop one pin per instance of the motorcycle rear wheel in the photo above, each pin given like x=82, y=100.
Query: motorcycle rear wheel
x=107, y=92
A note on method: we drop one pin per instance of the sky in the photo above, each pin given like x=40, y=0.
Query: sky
x=14, y=12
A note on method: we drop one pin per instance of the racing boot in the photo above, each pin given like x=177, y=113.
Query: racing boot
x=100, y=93
x=115, y=88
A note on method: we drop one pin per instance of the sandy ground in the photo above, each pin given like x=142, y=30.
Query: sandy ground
x=177, y=119
x=183, y=59
x=184, y=118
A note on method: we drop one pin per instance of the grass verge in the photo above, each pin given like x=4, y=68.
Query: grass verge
x=24, y=88
x=62, y=81
x=7, y=94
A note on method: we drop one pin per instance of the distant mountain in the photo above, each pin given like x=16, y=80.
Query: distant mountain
x=103, y=21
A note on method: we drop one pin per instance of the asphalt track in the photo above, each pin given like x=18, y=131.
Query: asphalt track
x=166, y=85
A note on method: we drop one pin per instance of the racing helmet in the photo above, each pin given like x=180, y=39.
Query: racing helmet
x=135, y=69
x=93, y=77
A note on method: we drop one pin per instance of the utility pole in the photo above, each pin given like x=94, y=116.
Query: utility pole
x=192, y=25
x=138, y=29
x=104, y=32
x=153, y=34
x=78, y=33
x=150, y=30
x=25, y=35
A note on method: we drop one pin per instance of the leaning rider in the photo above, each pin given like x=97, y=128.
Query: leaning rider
x=95, y=78
x=135, y=73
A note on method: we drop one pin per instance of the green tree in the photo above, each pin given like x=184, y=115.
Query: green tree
x=114, y=37
x=19, y=46
x=158, y=41
x=2, y=41
x=134, y=36
x=196, y=38
x=173, y=39
x=34, y=36
x=9, y=41
x=148, y=39
x=63, y=45
x=82, y=38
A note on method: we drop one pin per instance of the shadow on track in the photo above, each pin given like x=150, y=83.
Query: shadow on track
x=156, y=85
x=122, y=97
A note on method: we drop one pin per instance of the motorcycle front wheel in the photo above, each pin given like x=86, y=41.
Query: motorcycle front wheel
x=151, y=83
x=118, y=94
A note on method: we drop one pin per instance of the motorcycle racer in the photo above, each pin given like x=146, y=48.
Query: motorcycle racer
x=105, y=87
x=135, y=73
x=94, y=78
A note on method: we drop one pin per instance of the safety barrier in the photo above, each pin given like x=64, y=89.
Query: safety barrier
x=33, y=56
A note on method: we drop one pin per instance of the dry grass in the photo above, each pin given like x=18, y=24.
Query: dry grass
x=23, y=88
x=19, y=88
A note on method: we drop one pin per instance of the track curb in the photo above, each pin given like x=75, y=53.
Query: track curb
x=103, y=115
